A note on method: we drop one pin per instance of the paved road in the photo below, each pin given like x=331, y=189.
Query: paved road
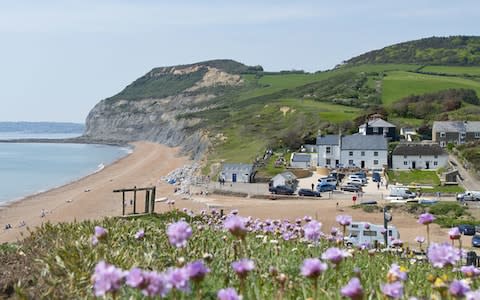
x=470, y=183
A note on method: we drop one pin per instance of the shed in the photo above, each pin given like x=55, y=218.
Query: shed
x=286, y=178
x=232, y=172
x=301, y=160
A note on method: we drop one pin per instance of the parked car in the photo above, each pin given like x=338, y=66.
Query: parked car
x=467, y=229
x=357, y=177
x=355, y=181
x=476, y=241
x=376, y=177
x=331, y=180
x=308, y=193
x=338, y=176
x=351, y=188
x=325, y=187
x=281, y=189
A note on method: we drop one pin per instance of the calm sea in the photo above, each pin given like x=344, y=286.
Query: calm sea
x=31, y=168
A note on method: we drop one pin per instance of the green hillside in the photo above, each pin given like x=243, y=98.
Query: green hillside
x=451, y=51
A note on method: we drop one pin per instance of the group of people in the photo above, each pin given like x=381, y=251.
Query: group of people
x=21, y=224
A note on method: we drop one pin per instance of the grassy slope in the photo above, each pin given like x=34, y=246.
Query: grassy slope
x=453, y=70
x=399, y=84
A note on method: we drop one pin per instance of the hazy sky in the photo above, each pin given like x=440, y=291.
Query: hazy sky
x=59, y=58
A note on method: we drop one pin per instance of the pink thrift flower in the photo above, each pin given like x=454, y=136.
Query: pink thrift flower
x=179, y=233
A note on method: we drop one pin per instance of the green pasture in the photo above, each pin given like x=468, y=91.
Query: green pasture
x=453, y=70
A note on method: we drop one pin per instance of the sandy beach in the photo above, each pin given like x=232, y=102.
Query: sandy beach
x=92, y=198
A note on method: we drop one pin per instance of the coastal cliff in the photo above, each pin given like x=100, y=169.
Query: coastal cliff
x=149, y=108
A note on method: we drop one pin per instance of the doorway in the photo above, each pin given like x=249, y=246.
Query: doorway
x=414, y=164
x=427, y=165
x=362, y=164
x=234, y=177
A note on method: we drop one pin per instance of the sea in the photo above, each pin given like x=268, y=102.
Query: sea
x=30, y=168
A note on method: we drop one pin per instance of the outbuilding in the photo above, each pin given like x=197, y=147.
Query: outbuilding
x=286, y=178
x=237, y=172
x=301, y=160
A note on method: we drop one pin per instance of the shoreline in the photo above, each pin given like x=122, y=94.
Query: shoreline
x=92, y=197
x=5, y=204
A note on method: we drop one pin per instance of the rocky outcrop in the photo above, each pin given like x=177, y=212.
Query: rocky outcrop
x=132, y=116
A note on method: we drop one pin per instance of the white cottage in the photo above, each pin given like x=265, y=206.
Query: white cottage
x=286, y=178
x=328, y=150
x=364, y=151
x=419, y=156
x=300, y=160
x=237, y=172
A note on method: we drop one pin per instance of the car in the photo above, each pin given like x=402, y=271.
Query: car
x=351, y=188
x=308, y=193
x=376, y=177
x=282, y=190
x=476, y=241
x=331, y=180
x=325, y=187
x=467, y=229
x=355, y=181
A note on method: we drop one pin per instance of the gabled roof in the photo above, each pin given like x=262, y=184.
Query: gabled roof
x=237, y=167
x=378, y=123
x=301, y=157
x=418, y=149
x=330, y=139
x=456, y=126
x=364, y=142
x=287, y=175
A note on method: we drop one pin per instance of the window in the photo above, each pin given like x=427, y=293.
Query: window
x=350, y=153
x=477, y=135
x=327, y=161
x=462, y=135
x=329, y=150
x=442, y=134
x=405, y=163
x=436, y=156
x=350, y=162
x=363, y=153
x=404, y=156
x=369, y=233
x=375, y=153
x=375, y=162
x=375, y=129
x=435, y=163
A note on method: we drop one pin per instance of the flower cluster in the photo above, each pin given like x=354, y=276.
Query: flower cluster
x=179, y=233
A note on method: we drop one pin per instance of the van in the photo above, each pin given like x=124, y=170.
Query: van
x=358, y=234
x=469, y=196
x=330, y=180
x=402, y=192
x=356, y=176
x=355, y=181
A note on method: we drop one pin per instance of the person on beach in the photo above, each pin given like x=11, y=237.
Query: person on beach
x=42, y=213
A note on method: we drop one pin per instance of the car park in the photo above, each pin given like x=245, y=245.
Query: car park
x=282, y=190
x=376, y=177
x=467, y=229
x=476, y=241
x=351, y=188
x=325, y=187
x=308, y=193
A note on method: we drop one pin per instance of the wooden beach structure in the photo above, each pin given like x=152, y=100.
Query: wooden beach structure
x=149, y=199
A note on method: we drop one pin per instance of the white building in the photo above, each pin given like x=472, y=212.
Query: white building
x=418, y=156
x=300, y=160
x=237, y=172
x=363, y=151
x=286, y=178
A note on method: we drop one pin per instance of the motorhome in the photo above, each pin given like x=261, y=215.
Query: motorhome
x=403, y=192
x=469, y=196
x=363, y=233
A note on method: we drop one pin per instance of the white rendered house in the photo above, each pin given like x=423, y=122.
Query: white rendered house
x=419, y=156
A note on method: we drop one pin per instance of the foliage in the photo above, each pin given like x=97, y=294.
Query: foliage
x=471, y=153
x=63, y=259
x=454, y=50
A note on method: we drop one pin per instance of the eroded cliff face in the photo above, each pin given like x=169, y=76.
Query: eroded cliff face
x=155, y=119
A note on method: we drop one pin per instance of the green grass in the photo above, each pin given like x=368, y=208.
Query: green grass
x=453, y=70
x=421, y=177
x=399, y=84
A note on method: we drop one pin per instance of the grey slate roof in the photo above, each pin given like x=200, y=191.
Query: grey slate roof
x=244, y=168
x=378, y=123
x=331, y=139
x=364, y=142
x=287, y=175
x=418, y=149
x=456, y=126
x=301, y=157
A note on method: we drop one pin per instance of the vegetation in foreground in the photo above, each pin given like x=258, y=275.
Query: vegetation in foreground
x=207, y=256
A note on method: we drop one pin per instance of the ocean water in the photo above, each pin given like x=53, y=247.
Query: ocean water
x=30, y=168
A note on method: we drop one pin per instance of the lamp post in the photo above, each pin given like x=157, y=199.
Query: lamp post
x=387, y=217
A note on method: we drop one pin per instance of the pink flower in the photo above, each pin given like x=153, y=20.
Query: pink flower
x=313, y=267
x=334, y=255
x=344, y=220
x=353, y=289
x=107, y=278
x=179, y=233
x=140, y=234
x=454, y=233
x=426, y=219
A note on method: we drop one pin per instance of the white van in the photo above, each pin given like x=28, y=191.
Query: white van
x=330, y=180
x=354, y=176
x=355, y=181
x=359, y=235
x=403, y=192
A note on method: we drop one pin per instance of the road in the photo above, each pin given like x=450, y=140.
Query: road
x=469, y=182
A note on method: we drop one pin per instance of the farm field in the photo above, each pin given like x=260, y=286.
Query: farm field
x=454, y=70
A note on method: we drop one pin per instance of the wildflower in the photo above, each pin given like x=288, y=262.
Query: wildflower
x=334, y=255
x=367, y=226
x=393, y=290
x=307, y=218
x=472, y=295
x=228, y=294
x=420, y=239
x=94, y=240
x=334, y=231
x=441, y=255
x=197, y=270
x=100, y=232
x=234, y=212
x=397, y=243
x=396, y=273
x=426, y=219
x=107, y=278
x=312, y=230
x=236, y=226
x=313, y=267
x=140, y=234
x=243, y=266
x=353, y=289
x=454, y=233
x=470, y=271
x=135, y=278
x=178, y=278
x=156, y=284
x=458, y=288
x=178, y=233
x=344, y=220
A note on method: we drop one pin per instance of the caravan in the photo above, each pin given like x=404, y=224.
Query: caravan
x=363, y=233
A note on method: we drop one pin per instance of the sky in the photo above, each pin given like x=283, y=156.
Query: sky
x=60, y=58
